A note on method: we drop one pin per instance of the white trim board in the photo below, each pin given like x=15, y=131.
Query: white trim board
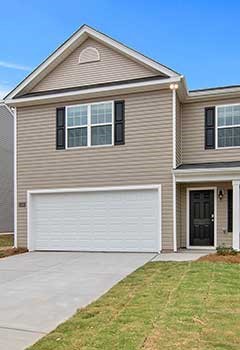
x=188, y=217
x=236, y=209
x=206, y=178
x=15, y=174
x=30, y=193
x=100, y=92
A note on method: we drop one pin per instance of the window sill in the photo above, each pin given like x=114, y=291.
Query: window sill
x=88, y=147
x=229, y=147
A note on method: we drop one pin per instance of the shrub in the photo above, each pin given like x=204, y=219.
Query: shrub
x=223, y=250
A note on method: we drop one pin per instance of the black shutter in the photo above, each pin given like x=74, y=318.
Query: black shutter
x=210, y=128
x=60, y=128
x=230, y=210
x=119, y=122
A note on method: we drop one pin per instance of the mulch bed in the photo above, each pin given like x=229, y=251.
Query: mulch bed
x=12, y=251
x=230, y=259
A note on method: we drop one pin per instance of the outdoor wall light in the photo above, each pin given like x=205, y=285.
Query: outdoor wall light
x=220, y=194
x=173, y=86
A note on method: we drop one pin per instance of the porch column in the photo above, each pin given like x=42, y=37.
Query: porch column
x=236, y=214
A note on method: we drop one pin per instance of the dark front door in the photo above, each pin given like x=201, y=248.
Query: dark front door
x=202, y=218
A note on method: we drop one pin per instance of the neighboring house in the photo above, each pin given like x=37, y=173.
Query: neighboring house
x=6, y=170
x=115, y=154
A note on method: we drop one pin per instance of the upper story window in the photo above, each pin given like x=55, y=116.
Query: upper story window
x=228, y=126
x=90, y=125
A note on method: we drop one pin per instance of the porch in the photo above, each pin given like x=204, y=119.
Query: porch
x=207, y=207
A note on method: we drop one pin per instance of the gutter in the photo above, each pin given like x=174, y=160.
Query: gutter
x=206, y=171
x=95, y=92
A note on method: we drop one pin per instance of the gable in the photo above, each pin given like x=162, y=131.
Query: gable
x=120, y=65
x=110, y=67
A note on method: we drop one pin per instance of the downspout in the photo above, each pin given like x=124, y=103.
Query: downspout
x=174, y=87
x=15, y=174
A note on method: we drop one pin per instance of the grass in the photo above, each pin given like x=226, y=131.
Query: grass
x=6, y=240
x=190, y=306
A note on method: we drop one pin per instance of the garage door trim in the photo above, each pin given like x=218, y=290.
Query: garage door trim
x=30, y=193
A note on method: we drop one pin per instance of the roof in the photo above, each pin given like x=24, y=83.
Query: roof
x=218, y=92
x=69, y=46
x=214, y=165
x=216, y=88
x=78, y=37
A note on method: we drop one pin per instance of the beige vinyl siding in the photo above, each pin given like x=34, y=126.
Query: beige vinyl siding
x=223, y=237
x=193, y=139
x=112, y=66
x=146, y=157
x=178, y=132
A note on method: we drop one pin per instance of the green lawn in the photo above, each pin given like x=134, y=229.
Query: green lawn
x=162, y=306
x=6, y=240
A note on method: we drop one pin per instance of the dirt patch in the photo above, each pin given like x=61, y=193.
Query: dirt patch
x=230, y=259
x=12, y=251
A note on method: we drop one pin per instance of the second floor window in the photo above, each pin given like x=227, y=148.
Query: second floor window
x=228, y=126
x=90, y=125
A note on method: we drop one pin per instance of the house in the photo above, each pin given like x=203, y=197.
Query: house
x=114, y=153
x=6, y=170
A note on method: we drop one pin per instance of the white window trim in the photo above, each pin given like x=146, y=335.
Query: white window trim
x=189, y=189
x=224, y=126
x=88, y=125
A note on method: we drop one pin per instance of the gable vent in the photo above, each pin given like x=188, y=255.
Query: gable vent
x=89, y=54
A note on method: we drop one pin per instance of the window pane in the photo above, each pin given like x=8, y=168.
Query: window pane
x=228, y=137
x=101, y=135
x=101, y=113
x=77, y=137
x=236, y=115
x=77, y=116
x=229, y=115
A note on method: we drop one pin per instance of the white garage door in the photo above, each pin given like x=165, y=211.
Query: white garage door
x=119, y=220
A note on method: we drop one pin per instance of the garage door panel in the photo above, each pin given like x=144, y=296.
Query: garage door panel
x=96, y=221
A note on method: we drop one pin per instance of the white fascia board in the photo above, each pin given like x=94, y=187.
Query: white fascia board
x=215, y=94
x=207, y=171
x=131, y=53
x=84, y=32
x=46, y=63
x=207, y=178
x=95, y=92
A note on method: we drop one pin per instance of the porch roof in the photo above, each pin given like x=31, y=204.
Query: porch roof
x=209, y=165
x=205, y=172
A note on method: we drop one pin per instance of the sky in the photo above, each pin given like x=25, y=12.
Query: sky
x=200, y=39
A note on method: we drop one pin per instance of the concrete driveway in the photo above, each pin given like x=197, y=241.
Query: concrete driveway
x=42, y=289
